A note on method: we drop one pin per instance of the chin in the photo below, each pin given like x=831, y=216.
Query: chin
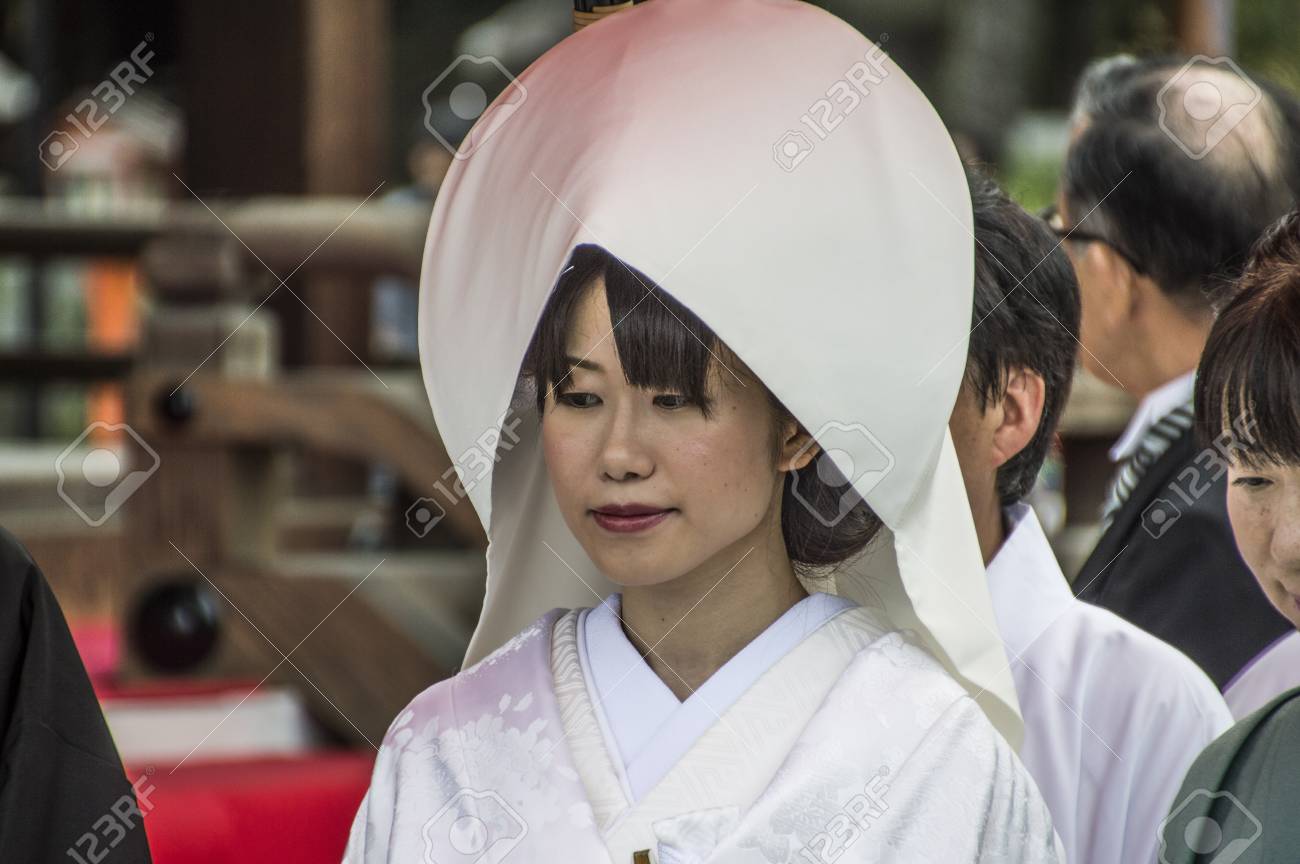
x=1291, y=614
x=644, y=568
x=1289, y=605
x=1283, y=599
x=628, y=574
x=624, y=579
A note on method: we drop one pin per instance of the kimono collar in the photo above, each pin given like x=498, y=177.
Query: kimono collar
x=776, y=172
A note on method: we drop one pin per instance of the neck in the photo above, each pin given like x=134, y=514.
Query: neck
x=699, y=621
x=1175, y=350
x=989, y=527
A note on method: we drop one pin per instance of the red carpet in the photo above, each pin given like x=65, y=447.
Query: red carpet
x=265, y=811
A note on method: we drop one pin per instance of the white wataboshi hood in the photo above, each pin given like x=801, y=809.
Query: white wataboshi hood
x=776, y=172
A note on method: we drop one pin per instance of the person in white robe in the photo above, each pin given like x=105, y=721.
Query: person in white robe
x=639, y=689
x=1113, y=716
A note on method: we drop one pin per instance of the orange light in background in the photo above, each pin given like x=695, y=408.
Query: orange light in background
x=112, y=327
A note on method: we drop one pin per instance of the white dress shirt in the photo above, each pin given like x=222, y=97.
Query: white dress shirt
x=1153, y=406
x=646, y=727
x=1113, y=716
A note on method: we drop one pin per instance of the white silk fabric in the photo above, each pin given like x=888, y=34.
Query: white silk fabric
x=776, y=172
x=923, y=776
x=648, y=728
x=855, y=747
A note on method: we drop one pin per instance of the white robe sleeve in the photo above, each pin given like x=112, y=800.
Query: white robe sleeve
x=1183, y=713
x=964, y=796
x=368, y=839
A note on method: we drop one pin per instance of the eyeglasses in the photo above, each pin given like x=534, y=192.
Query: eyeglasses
x=1052, y=216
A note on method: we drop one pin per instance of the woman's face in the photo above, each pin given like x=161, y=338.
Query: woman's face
x=693, y=491
x=1264, y=508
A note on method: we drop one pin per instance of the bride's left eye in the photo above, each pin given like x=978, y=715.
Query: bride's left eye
x=671, y=400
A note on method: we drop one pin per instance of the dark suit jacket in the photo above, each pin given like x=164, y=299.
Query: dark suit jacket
x=1172, y=568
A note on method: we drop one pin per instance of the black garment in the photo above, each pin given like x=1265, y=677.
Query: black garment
x=1181, y=578
x=60, y=775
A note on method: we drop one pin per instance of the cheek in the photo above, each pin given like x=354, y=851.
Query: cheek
x=1094, y=315
x=728, y=469
x=1252, y=527
x=568, y=458
x=965, y=426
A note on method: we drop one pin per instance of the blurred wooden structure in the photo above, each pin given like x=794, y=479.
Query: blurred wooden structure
x=1206, y=26
x=205, y=394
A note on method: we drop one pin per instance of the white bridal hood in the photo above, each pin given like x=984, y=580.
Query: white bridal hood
x=771, y=168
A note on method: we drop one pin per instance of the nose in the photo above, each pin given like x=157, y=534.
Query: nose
x=625, y=454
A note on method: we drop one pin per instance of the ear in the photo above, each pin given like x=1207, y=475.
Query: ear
x=798, y=447
x=1126, y=295
x=1022, y=412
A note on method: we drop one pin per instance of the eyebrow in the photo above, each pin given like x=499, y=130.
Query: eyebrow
x=583, y=363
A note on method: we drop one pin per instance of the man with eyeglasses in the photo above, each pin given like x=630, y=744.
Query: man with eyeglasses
x=1173, y=171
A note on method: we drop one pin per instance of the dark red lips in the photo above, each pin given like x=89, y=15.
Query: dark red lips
x=628, y=518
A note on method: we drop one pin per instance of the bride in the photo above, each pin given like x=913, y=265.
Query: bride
x=714, y=263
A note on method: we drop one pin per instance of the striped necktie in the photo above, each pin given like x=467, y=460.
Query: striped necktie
x=1154, y=443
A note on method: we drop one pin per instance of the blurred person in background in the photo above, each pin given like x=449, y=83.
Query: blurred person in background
x=1113, y=716
x=1172, y=172
x=394, y=302
x=1239, y=800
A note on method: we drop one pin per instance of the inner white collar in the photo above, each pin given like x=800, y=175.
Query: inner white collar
x=1153, y=407
x=650, y=727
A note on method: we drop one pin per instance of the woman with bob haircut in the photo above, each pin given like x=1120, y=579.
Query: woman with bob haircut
x=695, y=298
x=1239, y=798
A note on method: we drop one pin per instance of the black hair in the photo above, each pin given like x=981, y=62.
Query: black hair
x=663, y=346
x=1185, y=213
x=1248, y=382
x=1025, y=315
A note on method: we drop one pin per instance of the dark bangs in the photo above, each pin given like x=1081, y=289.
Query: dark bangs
x=661, y=344
x=1248, y=383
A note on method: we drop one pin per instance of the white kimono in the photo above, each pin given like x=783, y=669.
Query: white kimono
x=1113, y=716
x=854, y=746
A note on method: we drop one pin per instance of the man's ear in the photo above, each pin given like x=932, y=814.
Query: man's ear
x=1022, y=412
x=1126, y=284
x=798, y=447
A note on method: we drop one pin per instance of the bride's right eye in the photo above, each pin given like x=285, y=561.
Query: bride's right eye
x=577, y=399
